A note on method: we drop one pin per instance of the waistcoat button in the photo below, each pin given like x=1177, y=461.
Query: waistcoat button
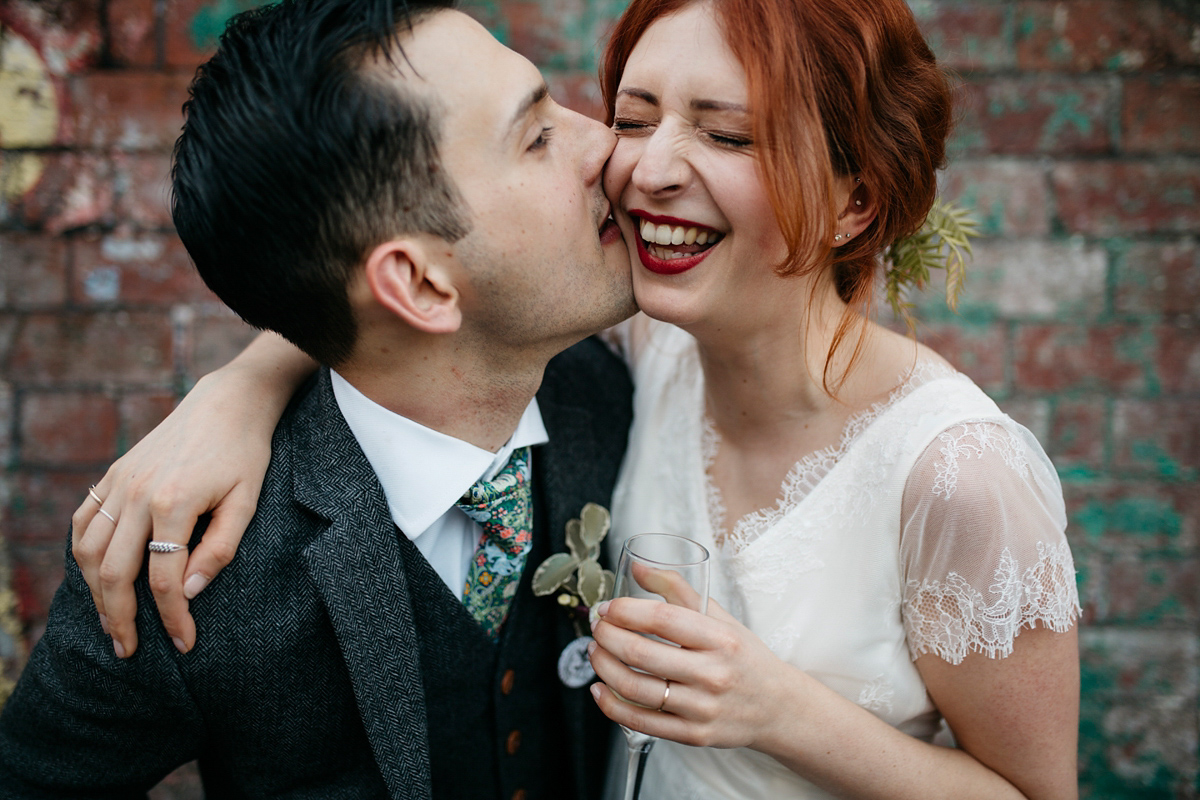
x=513, y=744
x=506, y=683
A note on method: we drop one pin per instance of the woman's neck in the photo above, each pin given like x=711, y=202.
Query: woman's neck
x=766, y=376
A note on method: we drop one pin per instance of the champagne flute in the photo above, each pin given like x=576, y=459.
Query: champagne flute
x=655, y=566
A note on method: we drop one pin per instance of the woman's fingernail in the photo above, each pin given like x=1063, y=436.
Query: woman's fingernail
x=591, y=648
x=104, y=623
x=595, y=690
x=179, y=645
x=119, y=649
x=194, y=586
x=602, y=609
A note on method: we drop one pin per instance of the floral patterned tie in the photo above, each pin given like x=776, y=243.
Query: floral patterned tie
x=503, y=508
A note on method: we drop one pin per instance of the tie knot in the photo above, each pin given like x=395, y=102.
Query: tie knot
x=511, y=481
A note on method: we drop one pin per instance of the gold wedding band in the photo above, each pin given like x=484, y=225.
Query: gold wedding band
x=666, y=694
x=92, y=494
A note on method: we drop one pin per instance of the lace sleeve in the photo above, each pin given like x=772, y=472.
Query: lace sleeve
x=983, y=543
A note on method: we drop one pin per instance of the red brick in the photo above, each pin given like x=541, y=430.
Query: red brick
x=1033, y=413
x=145, y=183
x=134, y=269
x=193, y=26
x=8, y=414
x=1037, y=278
x=1159, y=278
x=1077, y=435
x=37, y=573
x=978, y=351
x=33, y=271
x=97, y=349
x=1109, y=198
x=42, y=503
x=132, y=28
x=553, y=34
x=967, y=36
x=67, y=33
x=216, y=340
x=1085, y=35
x=1178, y=362
x=1157, y=437
x=1143, y=589
x=577, y=91
x=9, y=325
x=1009, y=198
x=1056, y=358
x=127, y=110
x=1134, y=516
x=140, y=413
x=1161, y=115
x=65, y=429
x=1037, y=115
x=74, y=190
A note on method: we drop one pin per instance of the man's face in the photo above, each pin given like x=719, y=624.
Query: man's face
x=542, y=264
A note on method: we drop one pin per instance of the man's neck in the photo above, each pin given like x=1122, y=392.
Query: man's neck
x=460, y=397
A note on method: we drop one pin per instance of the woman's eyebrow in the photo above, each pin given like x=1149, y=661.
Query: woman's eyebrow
x=718, y=105
x=640, y=94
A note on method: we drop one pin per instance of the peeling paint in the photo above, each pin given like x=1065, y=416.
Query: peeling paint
x=28, y=113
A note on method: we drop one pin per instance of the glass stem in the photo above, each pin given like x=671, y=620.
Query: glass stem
x=636, y=767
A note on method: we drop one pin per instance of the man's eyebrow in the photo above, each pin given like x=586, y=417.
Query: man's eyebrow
x=532, y=99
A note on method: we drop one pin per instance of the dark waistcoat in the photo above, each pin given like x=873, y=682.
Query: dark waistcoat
x=496, y=720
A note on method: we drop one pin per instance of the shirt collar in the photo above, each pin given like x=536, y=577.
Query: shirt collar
x=424, y=472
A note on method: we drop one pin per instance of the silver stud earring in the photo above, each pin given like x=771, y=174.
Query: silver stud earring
x=837, y=237
x=858, y=202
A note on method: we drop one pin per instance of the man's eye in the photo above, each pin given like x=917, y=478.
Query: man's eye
x=543, y=139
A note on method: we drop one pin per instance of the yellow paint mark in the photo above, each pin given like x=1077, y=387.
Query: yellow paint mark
x=28, y=113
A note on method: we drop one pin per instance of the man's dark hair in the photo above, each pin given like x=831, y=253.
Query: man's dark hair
x=298, y=156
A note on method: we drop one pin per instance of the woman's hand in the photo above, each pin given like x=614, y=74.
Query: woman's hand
x=724, y=681
x=210, y=454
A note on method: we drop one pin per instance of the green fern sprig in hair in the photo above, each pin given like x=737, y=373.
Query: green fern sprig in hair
x=943, y=242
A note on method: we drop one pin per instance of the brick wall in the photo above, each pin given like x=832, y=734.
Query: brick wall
x=1078, y=147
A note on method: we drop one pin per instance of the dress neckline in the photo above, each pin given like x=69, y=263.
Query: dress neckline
x=808, y=472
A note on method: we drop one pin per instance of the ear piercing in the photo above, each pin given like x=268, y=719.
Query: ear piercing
x=840, y=236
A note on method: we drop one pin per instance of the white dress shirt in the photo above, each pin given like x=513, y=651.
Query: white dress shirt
x=424, y=473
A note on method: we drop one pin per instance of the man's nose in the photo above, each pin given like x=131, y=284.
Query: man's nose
x=598, y=143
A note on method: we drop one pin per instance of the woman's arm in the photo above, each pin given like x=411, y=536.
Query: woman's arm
x=209, y=455
x=1015, y=718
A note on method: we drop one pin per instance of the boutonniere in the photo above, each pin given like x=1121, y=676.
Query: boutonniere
x=581, y=584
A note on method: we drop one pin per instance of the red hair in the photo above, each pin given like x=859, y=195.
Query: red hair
x=836, y=87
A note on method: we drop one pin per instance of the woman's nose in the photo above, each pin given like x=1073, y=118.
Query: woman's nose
x=662, y=167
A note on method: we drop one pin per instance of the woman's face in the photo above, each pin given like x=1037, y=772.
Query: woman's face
x=684, y=178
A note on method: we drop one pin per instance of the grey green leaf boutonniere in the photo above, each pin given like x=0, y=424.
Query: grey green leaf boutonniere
x=581, y=584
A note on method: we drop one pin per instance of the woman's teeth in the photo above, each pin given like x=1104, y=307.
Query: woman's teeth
x=676, y=234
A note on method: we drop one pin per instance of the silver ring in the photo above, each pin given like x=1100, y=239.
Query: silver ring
x=666, y=694
x=92, y=494
x=165, y=547
x=111, y=518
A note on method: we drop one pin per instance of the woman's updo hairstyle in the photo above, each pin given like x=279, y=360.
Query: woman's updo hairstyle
x=837, y=87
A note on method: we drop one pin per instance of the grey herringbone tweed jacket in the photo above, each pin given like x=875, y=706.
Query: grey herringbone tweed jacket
x=304, y=682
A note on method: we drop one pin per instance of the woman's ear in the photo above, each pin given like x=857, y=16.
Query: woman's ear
x=408, y=278
x=856, y=208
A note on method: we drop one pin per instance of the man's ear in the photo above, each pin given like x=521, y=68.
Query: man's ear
x=857, y=208
x=409, y=278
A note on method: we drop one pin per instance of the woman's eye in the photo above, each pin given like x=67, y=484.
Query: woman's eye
x=628, y=126
x=543, y=139
x=730, y=141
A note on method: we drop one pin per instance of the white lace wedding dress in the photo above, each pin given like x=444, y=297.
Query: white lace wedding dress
x=935, y=526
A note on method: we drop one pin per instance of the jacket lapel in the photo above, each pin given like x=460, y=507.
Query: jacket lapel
x=358, y=570
x=562, y=466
